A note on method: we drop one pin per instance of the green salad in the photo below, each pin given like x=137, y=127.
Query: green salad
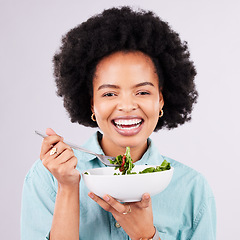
x=126, y=165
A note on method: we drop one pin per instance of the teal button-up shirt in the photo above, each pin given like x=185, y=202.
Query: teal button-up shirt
x=184, y=210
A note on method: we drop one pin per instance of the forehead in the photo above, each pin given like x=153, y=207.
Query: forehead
x=129, y=64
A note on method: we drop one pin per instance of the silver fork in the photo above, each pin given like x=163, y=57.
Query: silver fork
x=104, y=159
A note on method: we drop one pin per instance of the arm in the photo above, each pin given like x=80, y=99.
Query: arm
x=45, y=208
x=61, y=162
x=38, y=200
x=65, y=222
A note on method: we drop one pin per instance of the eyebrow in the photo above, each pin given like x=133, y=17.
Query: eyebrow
x=108, y=86
x=144, y=84
x=117, y=87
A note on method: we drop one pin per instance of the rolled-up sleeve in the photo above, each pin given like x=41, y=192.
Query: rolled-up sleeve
x=38, y=200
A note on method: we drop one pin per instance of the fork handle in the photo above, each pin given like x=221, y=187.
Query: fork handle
x=69, y=144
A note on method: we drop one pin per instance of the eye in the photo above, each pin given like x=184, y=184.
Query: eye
x=109, y=94
x=143, y=93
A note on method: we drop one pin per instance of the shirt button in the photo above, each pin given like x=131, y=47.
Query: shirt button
x=117, y=225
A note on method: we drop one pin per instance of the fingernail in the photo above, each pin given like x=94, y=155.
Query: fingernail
x=147, y=197
x=106, y=198
x=91, y=195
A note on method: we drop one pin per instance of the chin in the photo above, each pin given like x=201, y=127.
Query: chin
x=131, y=142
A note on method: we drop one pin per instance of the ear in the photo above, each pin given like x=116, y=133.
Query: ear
x=92, y=107
x=161, y=101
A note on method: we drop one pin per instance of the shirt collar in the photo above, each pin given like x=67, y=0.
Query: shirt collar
x=91, y=144
x=150, y=157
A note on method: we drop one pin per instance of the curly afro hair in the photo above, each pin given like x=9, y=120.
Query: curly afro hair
x=123, y=29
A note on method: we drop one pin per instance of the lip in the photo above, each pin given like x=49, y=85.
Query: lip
x=127, y=117
x=128, y=132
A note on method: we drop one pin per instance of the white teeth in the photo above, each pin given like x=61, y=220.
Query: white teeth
x=127, y=122
x=135, y=126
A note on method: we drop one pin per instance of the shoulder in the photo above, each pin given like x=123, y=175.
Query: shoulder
x=189, y=182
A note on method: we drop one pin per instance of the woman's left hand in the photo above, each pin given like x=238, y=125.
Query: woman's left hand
x=136, y=218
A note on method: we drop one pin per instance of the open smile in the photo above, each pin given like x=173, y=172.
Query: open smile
x=128, y=126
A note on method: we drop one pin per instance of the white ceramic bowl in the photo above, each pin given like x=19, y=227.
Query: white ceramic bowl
x=126, y=188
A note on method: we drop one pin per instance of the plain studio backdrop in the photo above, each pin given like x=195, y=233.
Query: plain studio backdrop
x=30, y=34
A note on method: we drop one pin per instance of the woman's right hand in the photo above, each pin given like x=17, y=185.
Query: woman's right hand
x=61, y=164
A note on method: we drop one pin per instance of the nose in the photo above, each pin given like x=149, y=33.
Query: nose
x=127, y=103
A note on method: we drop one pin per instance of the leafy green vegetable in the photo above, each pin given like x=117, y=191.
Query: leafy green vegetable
x=126, y=165
x=125, y=162
x=164, y=166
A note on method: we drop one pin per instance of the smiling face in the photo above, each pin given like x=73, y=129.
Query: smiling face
x=126, y=101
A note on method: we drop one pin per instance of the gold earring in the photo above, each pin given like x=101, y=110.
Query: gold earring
x=93, y=117
x=161, y=113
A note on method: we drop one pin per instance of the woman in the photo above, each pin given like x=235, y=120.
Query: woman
x=118, y=71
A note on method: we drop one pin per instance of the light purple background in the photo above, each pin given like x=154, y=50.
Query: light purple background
x=30, y=34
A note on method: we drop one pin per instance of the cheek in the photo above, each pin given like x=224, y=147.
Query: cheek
x=103, y=109
x=152, y=108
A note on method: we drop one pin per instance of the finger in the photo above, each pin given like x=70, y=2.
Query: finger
x=50, y=131
x=71, y=163
x=60, y=148
x=145, y=201
x=121, y=208
x=48, y=143
x=68, y=168
x=67, y=159
x=52, y=161
x=102, y=203
x=65, y=156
